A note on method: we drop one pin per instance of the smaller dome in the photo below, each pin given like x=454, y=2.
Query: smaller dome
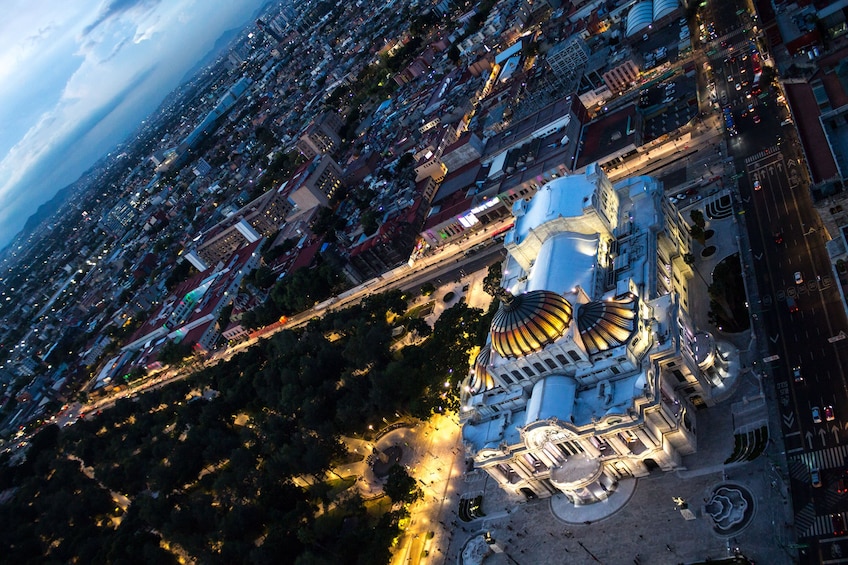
x=528, y=322
x=604, y=324
x=482, y=378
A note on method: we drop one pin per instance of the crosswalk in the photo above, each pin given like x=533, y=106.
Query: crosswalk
x=830, y=458
x=769, y=152
x=820, y=526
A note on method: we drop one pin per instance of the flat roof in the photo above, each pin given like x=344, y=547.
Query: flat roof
x=805, y=109
x=607, y=135
x=523, y=128
x=460, y=179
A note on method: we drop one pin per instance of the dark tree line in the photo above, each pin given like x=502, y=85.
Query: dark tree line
x=218, y=476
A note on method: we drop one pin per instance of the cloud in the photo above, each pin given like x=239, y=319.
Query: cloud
x=36, y=165
x=115, y=50
x=147, y=33
x=76, y=78
x=116, y=8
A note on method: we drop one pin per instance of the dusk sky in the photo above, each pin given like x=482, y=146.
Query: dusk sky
x=77, y=77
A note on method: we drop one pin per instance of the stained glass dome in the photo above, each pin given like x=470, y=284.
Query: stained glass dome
x=528, y=322
x=604, y=324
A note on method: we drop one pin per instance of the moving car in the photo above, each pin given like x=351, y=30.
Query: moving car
x=816, y=415
x=798, y=278
x=796, y=373
x=793, y=306
x=838, y=524
x=828, y=413
x=842, y=484
x=757, y=185
x=778, y=237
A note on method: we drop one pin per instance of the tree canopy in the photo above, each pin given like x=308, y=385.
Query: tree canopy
x=217, y=476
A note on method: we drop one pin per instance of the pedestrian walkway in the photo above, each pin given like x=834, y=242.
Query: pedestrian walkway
x=810, y=525
x=830, y=458
x=563, y=509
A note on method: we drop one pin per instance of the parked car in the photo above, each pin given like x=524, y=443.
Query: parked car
x=815, y=478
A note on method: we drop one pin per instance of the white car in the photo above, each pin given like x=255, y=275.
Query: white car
x=798, y=278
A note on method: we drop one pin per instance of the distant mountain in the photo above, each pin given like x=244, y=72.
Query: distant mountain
x=47, y=209
x=221, y=43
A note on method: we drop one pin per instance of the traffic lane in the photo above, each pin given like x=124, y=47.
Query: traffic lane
x=776, y=317
x=462, y=268
x=786, y=340
x=808, y=347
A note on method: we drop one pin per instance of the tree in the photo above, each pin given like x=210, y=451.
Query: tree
x=400, y=486
x=419, y=326
x=263, y=277
x=181, y=272
x=224, y=316
x=492, y=281
x=698, y=218
x=453, y=54
x=369, y=223
x=769, y=75
x=326, y=223
x=405, y=161
x=427, y=289
x=173, y=352
x=698, y=234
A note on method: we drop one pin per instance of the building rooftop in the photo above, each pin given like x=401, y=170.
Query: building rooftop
x=608, y=135
x=805, y=110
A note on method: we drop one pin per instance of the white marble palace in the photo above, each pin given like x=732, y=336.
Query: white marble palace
x=592, y=369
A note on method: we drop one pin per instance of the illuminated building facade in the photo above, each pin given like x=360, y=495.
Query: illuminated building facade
x=592, y=369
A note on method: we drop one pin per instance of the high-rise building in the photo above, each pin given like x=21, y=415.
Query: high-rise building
x=269, y=30
x=619, y=77
x=321, y=136
x=593, y=369
x=119, y=219
x=261, y=217
x=314, y=184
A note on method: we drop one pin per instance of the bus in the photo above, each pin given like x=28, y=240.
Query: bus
x=755, y=88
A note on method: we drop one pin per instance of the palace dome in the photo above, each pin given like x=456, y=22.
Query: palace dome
x=605, y=324
x=528, y=322
x=482, y=378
